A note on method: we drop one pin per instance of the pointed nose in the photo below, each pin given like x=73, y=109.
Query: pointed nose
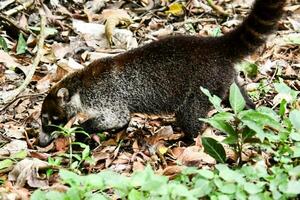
x=44, y=139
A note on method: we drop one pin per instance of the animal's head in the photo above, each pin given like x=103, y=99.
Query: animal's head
x=59, y=106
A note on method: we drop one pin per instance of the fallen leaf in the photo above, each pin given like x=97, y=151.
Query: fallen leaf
x=176, y=9
x=13, y=147
x=193, y=156
x=172, y=170
x=114, y=17
x=7, y=60
x=26, y=171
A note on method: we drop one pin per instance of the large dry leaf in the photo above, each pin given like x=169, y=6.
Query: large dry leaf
x=94, y=35
x=114, y=17
x=14, y=146
x=26, y=171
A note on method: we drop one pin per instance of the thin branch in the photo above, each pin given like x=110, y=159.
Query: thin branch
x=10, y=95
x=20, y=97
x=19, y=8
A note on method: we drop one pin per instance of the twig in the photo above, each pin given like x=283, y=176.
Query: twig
x=217, y=8
x=19, y=8
x=290, y=77
x=9, y=96
x=20, y=97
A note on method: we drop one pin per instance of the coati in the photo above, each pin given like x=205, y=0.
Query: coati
x=161, y=77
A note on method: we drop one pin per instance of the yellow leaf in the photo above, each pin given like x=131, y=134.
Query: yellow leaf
x=162, y=150
x=176, y=9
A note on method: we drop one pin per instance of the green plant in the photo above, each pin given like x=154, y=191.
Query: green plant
x=70, y=134
x=240, y=126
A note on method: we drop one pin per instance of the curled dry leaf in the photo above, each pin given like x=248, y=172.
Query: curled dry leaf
x=114, y=17
x=193, y=156
x=172, y=170
x=27, y=171
x=94, y=35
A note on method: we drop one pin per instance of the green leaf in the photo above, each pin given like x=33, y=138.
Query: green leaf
x=135, y=195
x=3, y=44
x=96, y=196
x=206, y=173
x=295, y=136
x=54, y=195
x=223, y=116
x=19, y=155
x=228, y=188
x=70, y=177
x=48, y=31
x=86, y=152
x=236, y=99
x=255, y=127
x=215, y=100
x=295, y=118
x=261, y=119
x=214, y=149
x=247, y=135
x=94, y=181
x=38, y=195
x=293, y=187
x=296, y=151
x=73, y=193
x=282, y=88
x=252, y=188
x=282, y=108
x=229, y=175
x=6, y=163
x=202, y=188
x=21, y=47
x=295, y=171
x=221, y=125
x=249, y=68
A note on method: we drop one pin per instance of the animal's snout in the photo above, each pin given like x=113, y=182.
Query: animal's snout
x=44, y=139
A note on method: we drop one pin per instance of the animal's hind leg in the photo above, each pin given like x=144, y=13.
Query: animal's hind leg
x=187, y=116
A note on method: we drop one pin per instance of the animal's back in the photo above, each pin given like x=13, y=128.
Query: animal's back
x=163, y=76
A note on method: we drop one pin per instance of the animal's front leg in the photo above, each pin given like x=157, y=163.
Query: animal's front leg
x=108, y=119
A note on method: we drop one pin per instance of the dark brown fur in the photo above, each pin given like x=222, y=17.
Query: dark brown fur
x=161, y=77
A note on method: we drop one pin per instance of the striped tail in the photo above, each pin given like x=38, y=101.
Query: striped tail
x=247, y=37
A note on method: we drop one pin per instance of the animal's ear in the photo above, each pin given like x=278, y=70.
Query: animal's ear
x=63, y=95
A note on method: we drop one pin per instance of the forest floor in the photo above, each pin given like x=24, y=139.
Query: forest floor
x=78, y=32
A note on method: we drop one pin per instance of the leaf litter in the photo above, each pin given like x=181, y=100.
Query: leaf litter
x=93, y=29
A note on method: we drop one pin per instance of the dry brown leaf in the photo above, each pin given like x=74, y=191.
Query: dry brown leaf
x=13, y=147
x=193, y=156
x=26, y=171
x=14, y=131
x=172, y=170
x=138, y=166
x=39, y=155
x=61, y=144
x=7, y=60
